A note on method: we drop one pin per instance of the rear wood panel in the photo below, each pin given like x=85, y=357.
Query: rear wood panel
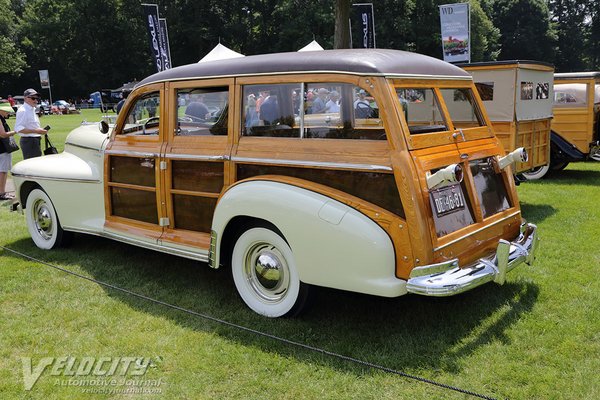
x=574, y=125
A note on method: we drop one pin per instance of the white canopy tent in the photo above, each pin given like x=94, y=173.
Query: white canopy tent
x=312, y=46
x=220, y=52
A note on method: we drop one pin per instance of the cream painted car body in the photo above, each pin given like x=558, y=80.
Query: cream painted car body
x=72, y=179
x=325, y=234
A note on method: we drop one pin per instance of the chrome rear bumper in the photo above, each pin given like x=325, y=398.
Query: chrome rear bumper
x=447, y=279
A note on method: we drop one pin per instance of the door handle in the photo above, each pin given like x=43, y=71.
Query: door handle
x=459, y=132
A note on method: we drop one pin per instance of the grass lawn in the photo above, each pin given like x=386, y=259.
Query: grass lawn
x=536, y=337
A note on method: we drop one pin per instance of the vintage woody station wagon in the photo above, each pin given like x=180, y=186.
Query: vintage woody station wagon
x=341, y=168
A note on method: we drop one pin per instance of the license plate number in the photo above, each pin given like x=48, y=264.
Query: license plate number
x=447, y=200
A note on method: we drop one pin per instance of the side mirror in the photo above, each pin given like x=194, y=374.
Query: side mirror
x=104, y=126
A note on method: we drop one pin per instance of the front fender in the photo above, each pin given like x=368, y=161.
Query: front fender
x=334, y=245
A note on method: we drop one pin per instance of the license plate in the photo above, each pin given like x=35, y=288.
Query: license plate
x=447, y=200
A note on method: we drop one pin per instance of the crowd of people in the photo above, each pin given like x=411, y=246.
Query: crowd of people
x=264, y=105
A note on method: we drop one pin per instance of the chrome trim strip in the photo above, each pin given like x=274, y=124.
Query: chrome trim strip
x=196, y=157
x=212, y=252
x=57, y=179
x=391, y=76
x=131, y=153
x=476, y=231
x=81, y=147
x=368, y=167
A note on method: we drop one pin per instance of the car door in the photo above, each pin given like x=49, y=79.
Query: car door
x=195, y=160
x=133, y=185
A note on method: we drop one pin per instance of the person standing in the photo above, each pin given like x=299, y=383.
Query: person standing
x=28, y=126
x=5, y=157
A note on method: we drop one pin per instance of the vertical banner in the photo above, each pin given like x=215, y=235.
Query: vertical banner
x=165, y=49
x=456, y=29
x=44, y=79
x=153, y=25
x=362, y=26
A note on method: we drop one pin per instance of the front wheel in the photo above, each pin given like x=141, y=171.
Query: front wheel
x=265, y=275
x=42, y=221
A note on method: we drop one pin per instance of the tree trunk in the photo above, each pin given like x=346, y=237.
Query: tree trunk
x=341, y=36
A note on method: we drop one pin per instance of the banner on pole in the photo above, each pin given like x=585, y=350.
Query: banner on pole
x=456, y=29
x=157, y=39
x=165, y=49
x=44, y=79
x=362, y=26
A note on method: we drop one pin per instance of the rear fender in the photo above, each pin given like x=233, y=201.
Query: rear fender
x=334, y=245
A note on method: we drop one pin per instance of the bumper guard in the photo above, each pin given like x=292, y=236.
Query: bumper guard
x=447, y=278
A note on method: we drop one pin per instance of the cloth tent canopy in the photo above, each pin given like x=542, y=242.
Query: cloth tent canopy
x=220, y=52
x=312, y=46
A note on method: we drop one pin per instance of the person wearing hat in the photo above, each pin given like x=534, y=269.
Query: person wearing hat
x=5, y=157
x=362, y=109
x=28, y=126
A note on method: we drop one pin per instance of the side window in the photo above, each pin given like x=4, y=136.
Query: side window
x=202, y=111
x=271, y=110
x=421, y=110
x=570, y=95
x=325, y=110
x=144, y=116
x=341, y=111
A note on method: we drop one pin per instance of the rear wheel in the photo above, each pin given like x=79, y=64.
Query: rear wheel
x=265, y=275
x=42, y=221
x=536, y=173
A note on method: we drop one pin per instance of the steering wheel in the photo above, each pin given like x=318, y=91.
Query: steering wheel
x=151, y=119
x=363, y=110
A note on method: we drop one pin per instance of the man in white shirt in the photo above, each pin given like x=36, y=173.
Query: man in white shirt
x=28, y=126
x=333, y=105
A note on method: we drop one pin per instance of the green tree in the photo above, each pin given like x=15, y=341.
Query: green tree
x=569, y=19
x=484, y=35
x=594, y=36
x=12, y=59
x=86, y=45
x=526, y=32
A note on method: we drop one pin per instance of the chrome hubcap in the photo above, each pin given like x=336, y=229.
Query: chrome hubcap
x=42, y=219
x=267, y=272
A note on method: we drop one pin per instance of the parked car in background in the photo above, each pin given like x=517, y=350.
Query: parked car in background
x=19, y=100
x=416, y=198
x=518, y=99
x=41, y=108
x=63, y=107
x=576, y=123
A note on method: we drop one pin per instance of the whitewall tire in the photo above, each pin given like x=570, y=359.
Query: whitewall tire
x=536, y=173
x=265, y=274
x=42, y=221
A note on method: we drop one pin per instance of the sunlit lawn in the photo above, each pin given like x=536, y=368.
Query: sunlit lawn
x=536, y=337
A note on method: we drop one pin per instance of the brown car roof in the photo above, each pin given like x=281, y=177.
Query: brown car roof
x=355, y=61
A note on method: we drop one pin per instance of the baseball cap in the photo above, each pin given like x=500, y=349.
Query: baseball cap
x=31, y=93
x=6, y=107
